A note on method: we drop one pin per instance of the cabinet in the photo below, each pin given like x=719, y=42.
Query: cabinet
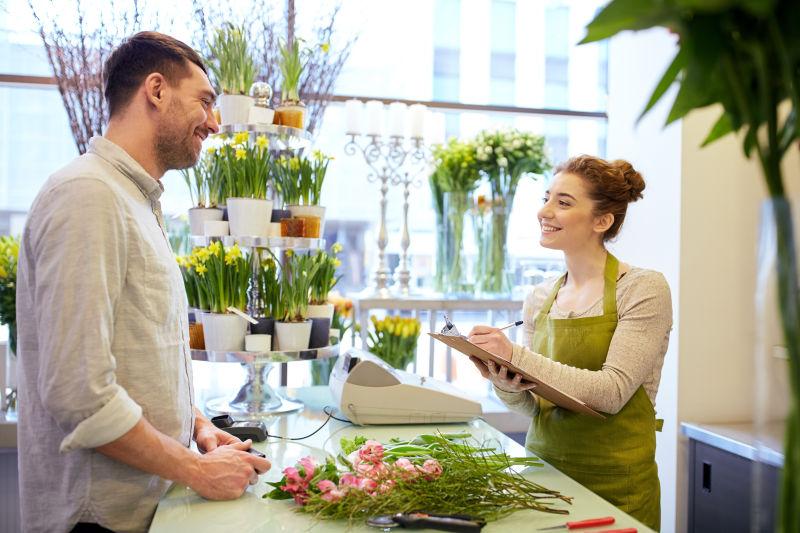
x=729, y=492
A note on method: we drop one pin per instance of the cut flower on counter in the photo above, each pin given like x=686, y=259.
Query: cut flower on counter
x=441, y=473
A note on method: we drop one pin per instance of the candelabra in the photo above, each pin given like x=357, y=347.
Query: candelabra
x=386, y=159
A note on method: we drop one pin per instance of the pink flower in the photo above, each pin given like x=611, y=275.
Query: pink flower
x=309, y=466
x=377, y=471
x=293, y=479
x=371, y=452
x=368, y=485
x=405, y=469
x=330, y=493
x=300, y=498
x=431, y=469
x=349, y=480
x=386, y=486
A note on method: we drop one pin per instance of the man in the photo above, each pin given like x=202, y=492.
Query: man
x=106, y=406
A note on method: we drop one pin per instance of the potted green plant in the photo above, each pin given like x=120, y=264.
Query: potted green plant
x=320, y=310
x=291, y=111
x=745, y=57
x=269, y=289
x=203, y=183
x=244, y=167
x=9, y=256
x=292, y=327
x=223, y=274
x=234, y=70
x=310, y=178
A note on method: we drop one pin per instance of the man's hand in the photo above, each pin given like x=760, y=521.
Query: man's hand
x=225, y=472
x=208, y=436
x=492, y=340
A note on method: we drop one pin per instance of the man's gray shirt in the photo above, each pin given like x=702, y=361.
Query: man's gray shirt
x=102, y=325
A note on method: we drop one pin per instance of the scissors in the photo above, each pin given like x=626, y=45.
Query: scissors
x=441, y=522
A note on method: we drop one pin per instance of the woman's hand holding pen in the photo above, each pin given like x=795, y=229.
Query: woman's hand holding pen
x=494, y=341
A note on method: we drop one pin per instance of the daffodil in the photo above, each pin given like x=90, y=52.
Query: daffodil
x=325, y=47
x=215, y=248
x=201, y=269
x=241, y=153
x=241, y=138
x=262, y=142
x=337, y=247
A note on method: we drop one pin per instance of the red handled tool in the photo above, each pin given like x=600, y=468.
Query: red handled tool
x=581, y=524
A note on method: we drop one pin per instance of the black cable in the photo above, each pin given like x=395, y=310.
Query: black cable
x=328, y=410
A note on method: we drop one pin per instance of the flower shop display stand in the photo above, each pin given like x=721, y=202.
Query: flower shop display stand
x=182, y=509
x=280, y=137
x=255, y=399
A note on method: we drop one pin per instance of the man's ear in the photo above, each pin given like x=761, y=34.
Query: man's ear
x=603, y=222
x=155, y=88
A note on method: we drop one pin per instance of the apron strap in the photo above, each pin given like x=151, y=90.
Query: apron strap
x=548, y=303
x=610, y=285
x=659, y=424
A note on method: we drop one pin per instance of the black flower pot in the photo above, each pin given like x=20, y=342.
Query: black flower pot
x=265, y=326
x=320, y=332
x=278, y=214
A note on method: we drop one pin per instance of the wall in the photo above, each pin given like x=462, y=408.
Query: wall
x=651, y=235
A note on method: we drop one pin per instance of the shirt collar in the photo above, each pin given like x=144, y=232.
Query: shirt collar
x=127, y=165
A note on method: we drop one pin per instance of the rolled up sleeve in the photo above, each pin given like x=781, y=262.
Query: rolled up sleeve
x=79, y=245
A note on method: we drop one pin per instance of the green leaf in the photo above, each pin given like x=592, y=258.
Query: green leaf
x=691, y=95
x=678, y=64
x=723, y=127
x=750, y=140
x=621, y=15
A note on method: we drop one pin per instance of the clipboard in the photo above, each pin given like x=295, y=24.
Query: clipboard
x=548, y=392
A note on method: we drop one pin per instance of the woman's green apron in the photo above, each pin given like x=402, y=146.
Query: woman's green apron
x=615, y=457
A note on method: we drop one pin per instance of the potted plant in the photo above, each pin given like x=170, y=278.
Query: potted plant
x=202, y=180
x=291, y=111
x=744, y=57
x=9, y=255
x=320, y=311
x=269, y=289
x=505, y=156
x=234, y=71
x=244, y=167
x=293, y=329
x=224, y=276
x=299, y=181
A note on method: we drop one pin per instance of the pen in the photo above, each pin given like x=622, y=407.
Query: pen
x=511, y=325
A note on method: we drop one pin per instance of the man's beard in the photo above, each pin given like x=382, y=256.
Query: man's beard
x=174, y=149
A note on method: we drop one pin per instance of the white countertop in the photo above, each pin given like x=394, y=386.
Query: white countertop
x=743, y=439
x=182, y=510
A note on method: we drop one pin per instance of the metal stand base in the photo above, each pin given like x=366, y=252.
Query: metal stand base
x=255, y=399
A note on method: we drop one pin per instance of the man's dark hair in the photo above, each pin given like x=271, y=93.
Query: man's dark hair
x=139, y=56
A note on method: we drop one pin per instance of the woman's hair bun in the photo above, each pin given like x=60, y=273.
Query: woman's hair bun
x=634, y=180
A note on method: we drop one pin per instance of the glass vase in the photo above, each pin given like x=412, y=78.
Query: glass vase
x=456, y=205
x=777, y=374
x=441, y=254
x=496, y=274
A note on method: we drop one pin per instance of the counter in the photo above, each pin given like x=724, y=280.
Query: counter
x=741, y=439
x=182, y=510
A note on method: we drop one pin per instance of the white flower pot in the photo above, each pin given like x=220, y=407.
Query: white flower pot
x=320, y=311
x=249, y=217
x=224, y=332
x=261, y=115
x=292, y=336
x=198, y=217
x=235, y=108
x=310, y=211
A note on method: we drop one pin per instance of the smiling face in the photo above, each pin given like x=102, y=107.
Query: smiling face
x=567, y=218
x=187, y=121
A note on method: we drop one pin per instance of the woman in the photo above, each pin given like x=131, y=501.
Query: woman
x=599, y=333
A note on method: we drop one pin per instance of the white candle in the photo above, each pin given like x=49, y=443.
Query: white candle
x=354, y=109
x=397, y=119
x=417, y=120
x=257, y=343
x=374, y=117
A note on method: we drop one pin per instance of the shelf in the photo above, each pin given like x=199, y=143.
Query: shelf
x=311, y=354
x=283, y=243
x=284, y=137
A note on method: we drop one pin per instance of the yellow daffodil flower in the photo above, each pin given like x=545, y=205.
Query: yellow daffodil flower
x=241, y=138
x=201, y=270
x=262, y=142
x=325, y=47
x=337, y=247
x=241, y=153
